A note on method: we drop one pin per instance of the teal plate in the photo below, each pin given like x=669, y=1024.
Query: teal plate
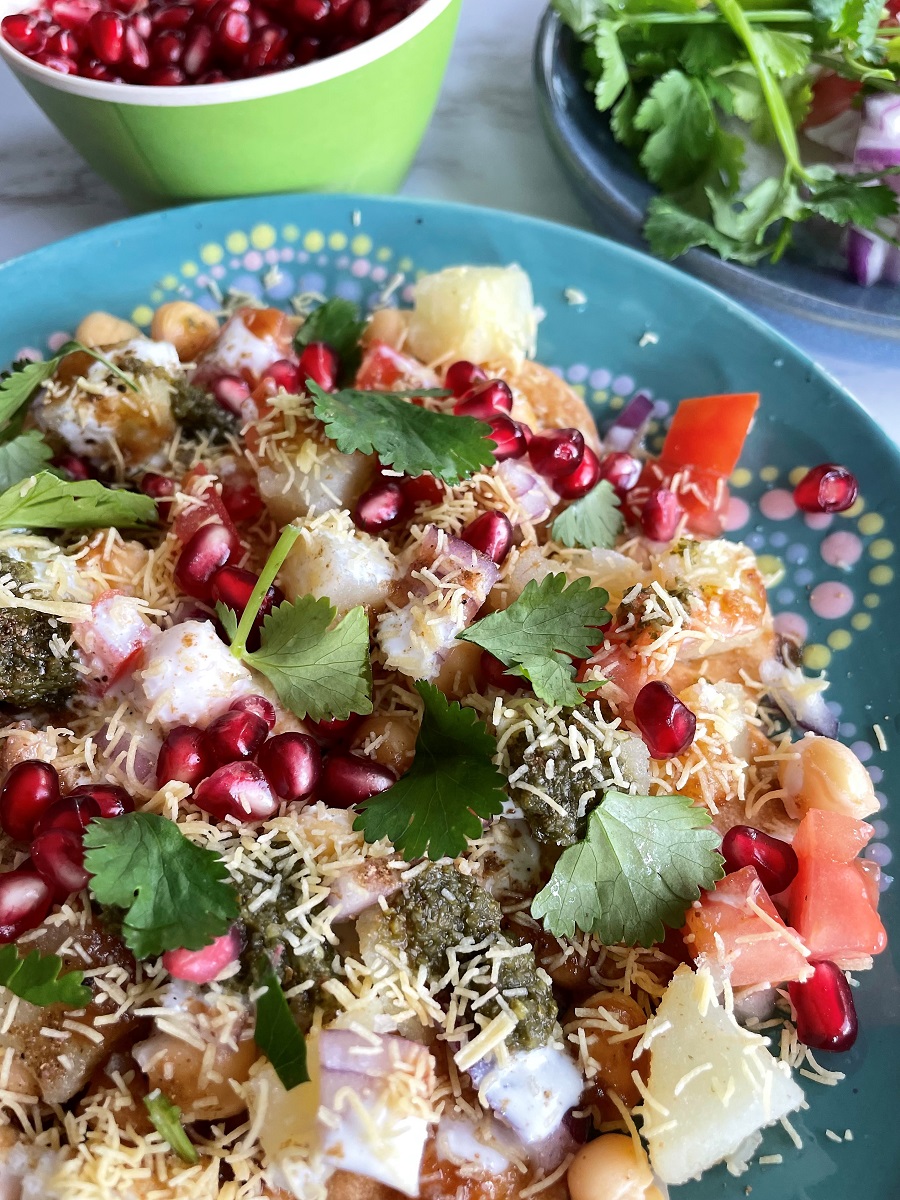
x=641, y=325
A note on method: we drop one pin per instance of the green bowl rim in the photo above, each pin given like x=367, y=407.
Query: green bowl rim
x=238, y=90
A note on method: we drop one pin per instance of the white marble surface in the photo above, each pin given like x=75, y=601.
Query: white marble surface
x=485, y=146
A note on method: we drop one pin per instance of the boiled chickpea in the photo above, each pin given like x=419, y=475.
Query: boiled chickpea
x=187, y=326
x=461, y=671
x=103, y=329
x=387, y=325
x=612, y=1168
x=826, y=774
x=393, y=740
x=612, y=1058
x=174, y=1067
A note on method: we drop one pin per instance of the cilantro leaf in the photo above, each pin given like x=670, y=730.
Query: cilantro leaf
x=166, y=1119
x=614, y=79
x=671, y=231
x=678, y=115
x=175, y=894
x=405, y=437
x=44, y=501
x=540, y=633
x=593, y=521
x=339, y=323
x=316, y=671
x=36, y=978
x=450, y=789
x=848, y=199
x=579, y=15
x=22, y=456
x=21, y=383
x=641, y=865
x=277, y=1033
x=785, y=54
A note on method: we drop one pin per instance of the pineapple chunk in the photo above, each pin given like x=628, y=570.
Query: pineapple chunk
x=482, y=314
x=738, y=1087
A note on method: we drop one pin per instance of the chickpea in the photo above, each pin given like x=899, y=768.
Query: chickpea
x=393, y=740
x=387, y=325
x=103, y=329
x=826, y=774
x=569, y=970
x=187, y=326
x=174, y=1066
x=461, y=671
x=611, y=1058
x=612, y=1167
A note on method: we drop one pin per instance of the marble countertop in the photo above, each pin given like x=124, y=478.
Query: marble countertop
x=485, y=146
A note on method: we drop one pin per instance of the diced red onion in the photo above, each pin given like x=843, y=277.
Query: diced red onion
x=624, y=430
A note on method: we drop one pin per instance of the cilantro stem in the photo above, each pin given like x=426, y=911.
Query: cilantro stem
x=71, y=347
x=274, y=562
x=778, y=110
x=784, y=16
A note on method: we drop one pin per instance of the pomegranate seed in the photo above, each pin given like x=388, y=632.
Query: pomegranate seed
x=485, y=400
x=307, y=49
x=266, y=47
x=65, y=66
x=348, y=779
x=556, y=453
x=621, y=470
x=74, y=14
x=424, y=489
x=30, y=789
x=824, y=1010
x=232, y=586
x=107, y=34
x=58, y=855
x=208, y=550
x=183, y=757
x=667, y=725
x=73, y=813
x=380, y=506
x=231, y=391
x=582, y=480
x=25, y=899
x=74, y=465
x=320, y=363
x=111, y=799
x=361, y=16
x=238, y=789
x=160, y=488
x=234, y=736
x=203, y=966
x=92, y=69
x=509, y=437
x=492, y=534
x=165, y=77
x=462, y=376
x=331, y=730
x=241, y=499
x=178, y=16
x=661, y=515
x=292, y=763
x=167, y=48
x=285, y=376
x=496, y=673
x=258, y=705
x=774, y=860
x=197, y=50
x=826, y=488
x=23, y=33
x=312, y=11
x=142, y=24
x=64, y=43
x=233, y=34
x=135, y=58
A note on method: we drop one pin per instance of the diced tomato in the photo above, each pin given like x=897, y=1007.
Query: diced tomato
x=384, y=369
x=709, y=432
x=834, y=898
x=726, y=923
x=702, y=494
x=209, y=506
x=621, y=667
x=831, y=95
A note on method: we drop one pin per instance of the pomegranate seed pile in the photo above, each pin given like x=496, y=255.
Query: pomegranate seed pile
x=162, y=43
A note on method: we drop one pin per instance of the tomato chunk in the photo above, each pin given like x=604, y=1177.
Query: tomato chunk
x=727, y=922
x=709, y=432
x=702, y=494
x=834, y=898
x=384, y=369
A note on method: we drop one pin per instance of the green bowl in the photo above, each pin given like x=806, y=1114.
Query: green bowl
x=349, y=123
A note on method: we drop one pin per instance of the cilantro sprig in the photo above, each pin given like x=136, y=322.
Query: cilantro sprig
x=173, y=894
x=166, y=1120
x=17, y=388
x=277, y=1033
x=339, y=323
x=641, y=865
x=318, y=668
x=593, y=522
x=450, y=789
x=44, y=501
x=405, y=437
x=540, y=633
x=37, y=979
x=692, y=89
